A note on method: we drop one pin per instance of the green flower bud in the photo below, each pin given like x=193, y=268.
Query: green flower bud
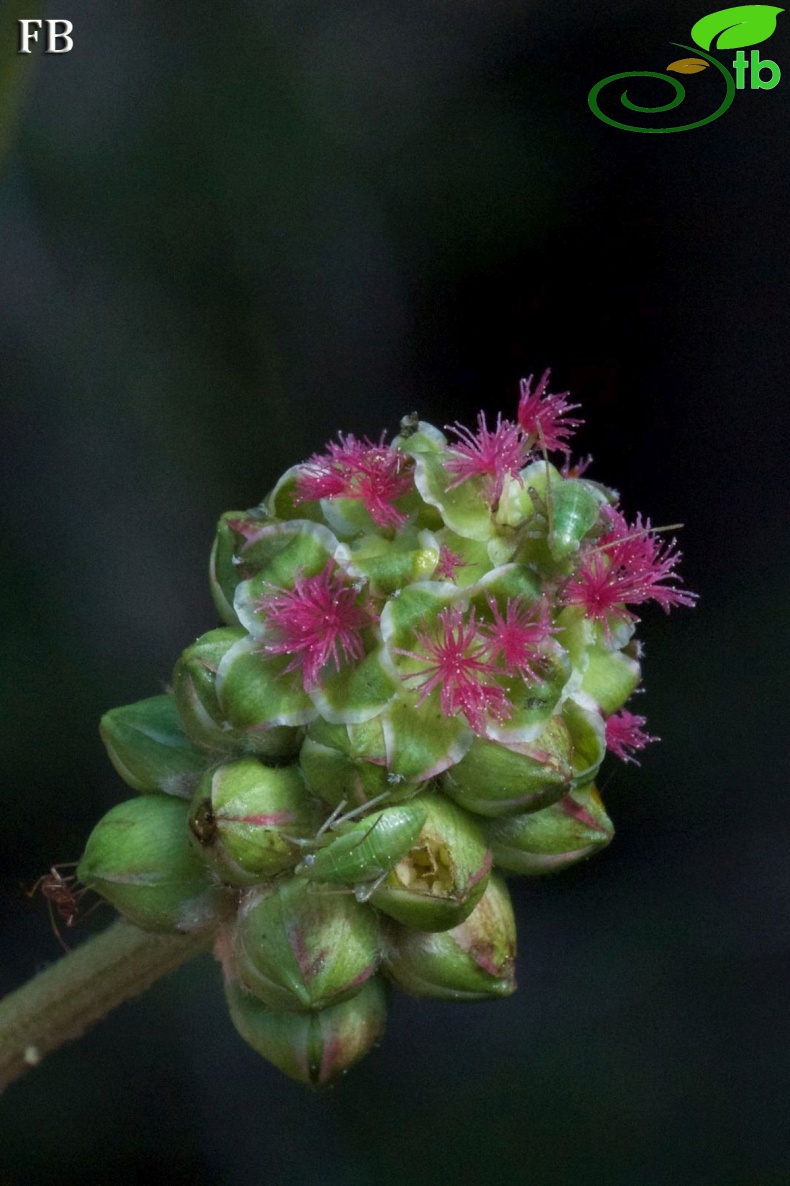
x=313, y=1048
x=549, y=840
x=493, y=779
x=139, y=858
x=471, y=962
x=244, y=816
x=194, y=688
x=149, y=749
x=343, y=764
x=203, y=713
x=366, y=849
x=443, y=876
x=589, y=741
x=298, y=947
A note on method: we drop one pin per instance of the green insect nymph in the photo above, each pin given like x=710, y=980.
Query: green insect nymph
x=367, y=849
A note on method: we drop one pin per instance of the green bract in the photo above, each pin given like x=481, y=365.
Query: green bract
x=426, y=650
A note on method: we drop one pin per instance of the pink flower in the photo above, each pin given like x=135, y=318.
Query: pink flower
x=491, y=455
x=447, y=564
x=517, y=636
x=544, y=417
x=624, y=733
x=316, y=622
x=375, y=475
x=628, y=565
x=456, y=660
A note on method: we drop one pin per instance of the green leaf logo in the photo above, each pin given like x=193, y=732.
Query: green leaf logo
x=746, y=24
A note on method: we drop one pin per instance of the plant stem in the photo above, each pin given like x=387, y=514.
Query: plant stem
x=66, y=999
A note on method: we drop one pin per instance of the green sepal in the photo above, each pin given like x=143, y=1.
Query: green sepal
x=495, y=780
x=412, y=608
x=149, y=749
x=610, y=678
x=422, y=742
x=588, y=735
x=281, y=501
x=547, y=841
x=256, y=691
x=298, y=946
x=533, y=703
x=419, y=439
x=312, y=1048
x=245, y=816
x=443, y=876
x=472, y=962
x=355, y=693
x=464, y=508
x=390, y=564
x=140, y=859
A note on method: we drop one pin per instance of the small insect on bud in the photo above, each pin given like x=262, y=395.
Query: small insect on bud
x=495, y=780
x=367, y=849
x=442, y=877
x=574, y=513
x=298, y=949
x=546, y=841
x=149, y=748
x=244, y=817
x=313, y=1048
x=139, y=858
x=472, y=962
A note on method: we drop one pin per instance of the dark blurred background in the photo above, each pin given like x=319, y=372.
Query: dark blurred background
x=228, y=230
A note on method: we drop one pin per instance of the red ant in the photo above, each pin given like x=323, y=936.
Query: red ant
x=61, y=895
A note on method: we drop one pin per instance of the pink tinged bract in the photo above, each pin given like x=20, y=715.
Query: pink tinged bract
x=543, y=417
x=375, y=475
x=317, y=622
x=456, y=659
x=625, y=733
x=493, y=456
x=516, y=637
x=627, y=566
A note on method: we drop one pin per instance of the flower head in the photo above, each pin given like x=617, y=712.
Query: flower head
x=627, y=566
x=625, y=733
x=494, y=456
x=457, y=660
x=543, y=417
x=517, y=636
x=375, y=475
x=316, y=622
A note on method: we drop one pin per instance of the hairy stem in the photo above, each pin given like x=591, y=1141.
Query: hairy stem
x=66, y=999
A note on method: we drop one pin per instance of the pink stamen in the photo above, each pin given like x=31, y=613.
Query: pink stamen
x=493, y=456
x=317, y=622
x=375, y=475
x=627, y=566
x=625, y=733
x=456, y=660
x=544, y=417
x=517, y=637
